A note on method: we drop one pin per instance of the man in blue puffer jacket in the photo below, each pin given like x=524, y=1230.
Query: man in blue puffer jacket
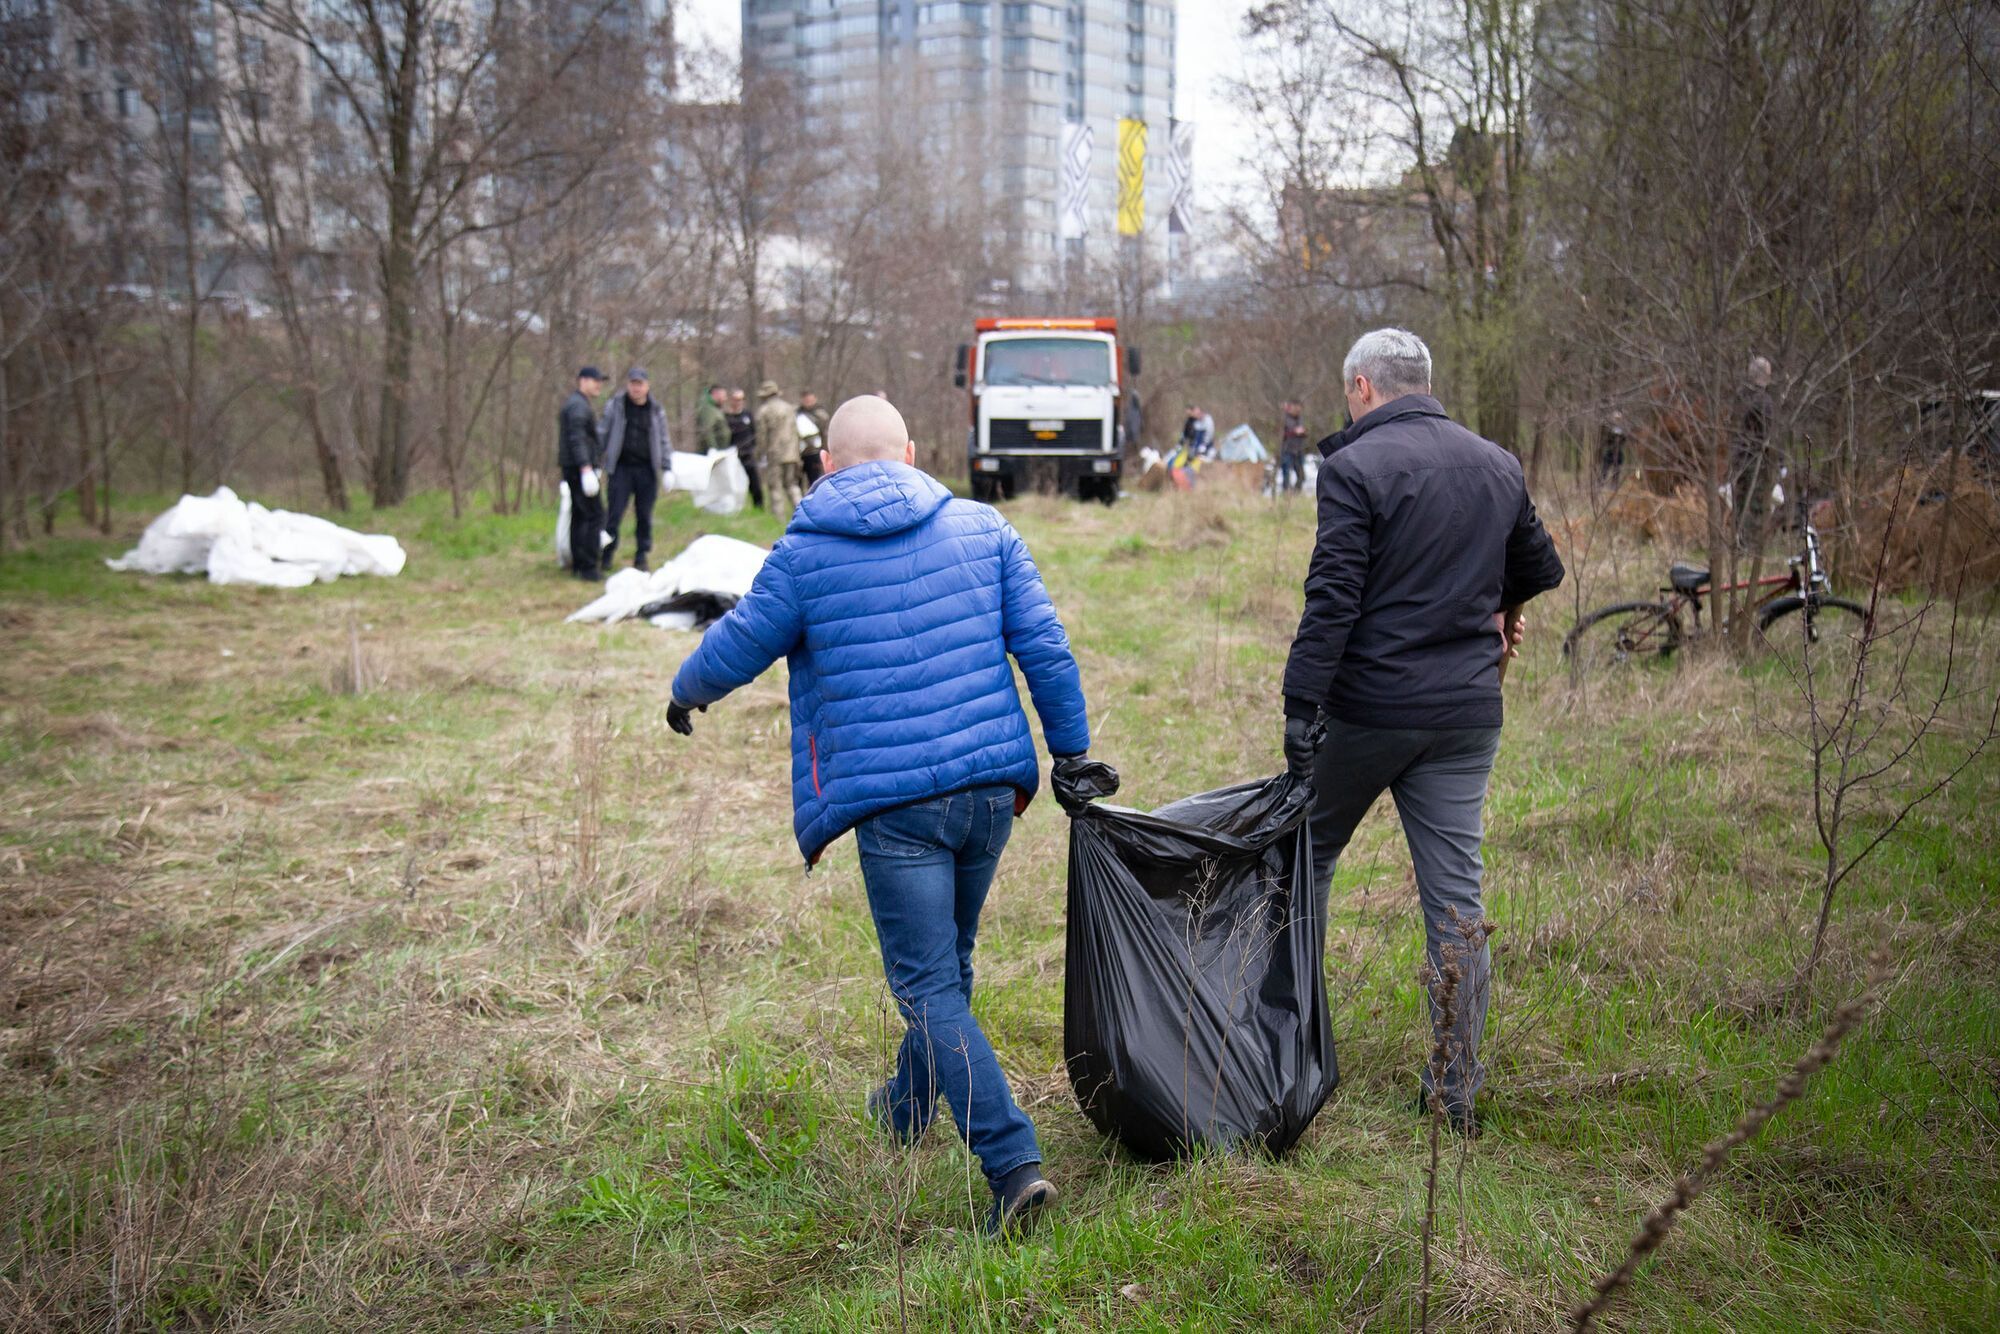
x=896, y=606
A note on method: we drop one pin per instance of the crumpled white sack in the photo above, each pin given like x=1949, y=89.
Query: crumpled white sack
x=562, y=525
x=235, y=559
x=624, y=593
x=372, y=553
x=178, y=541
x=717, y=482
x=709, y=564
x=298, y=542
x=272, y=548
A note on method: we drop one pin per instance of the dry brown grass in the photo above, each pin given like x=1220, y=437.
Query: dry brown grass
x=1933, y=528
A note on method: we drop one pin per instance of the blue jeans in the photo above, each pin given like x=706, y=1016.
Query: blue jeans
x=928, y=868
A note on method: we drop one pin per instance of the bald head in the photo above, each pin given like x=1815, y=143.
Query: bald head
x=866, y=429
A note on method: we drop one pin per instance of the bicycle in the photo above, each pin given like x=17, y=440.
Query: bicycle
x=1653, y=630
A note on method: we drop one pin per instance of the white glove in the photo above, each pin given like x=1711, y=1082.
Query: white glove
x=590, y=481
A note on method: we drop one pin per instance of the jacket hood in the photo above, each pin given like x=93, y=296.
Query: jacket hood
x=869, y=500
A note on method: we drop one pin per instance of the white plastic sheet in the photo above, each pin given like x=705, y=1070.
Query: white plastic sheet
x=711, y=564
x=237, y=543
x=1241, y=445
x=717, y=481
x=563, y=554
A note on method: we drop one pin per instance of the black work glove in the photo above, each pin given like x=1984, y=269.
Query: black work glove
x=1079, y=780
x=680, y=719
x=1302, y=738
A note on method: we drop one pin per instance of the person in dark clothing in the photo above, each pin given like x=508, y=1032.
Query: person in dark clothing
x=811, y=445
x=743, y=439
x=579, y=451
x=1428, y=546
x=711, y=428
x=1611, y=449
x=1292, y=446
x=1750, y=471
x=638, y=458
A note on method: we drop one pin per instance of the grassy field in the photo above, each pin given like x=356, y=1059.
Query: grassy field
x=458, y=993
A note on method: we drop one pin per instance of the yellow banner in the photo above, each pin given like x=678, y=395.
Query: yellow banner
x=1131, y=177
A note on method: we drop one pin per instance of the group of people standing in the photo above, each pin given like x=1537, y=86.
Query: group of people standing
x=778, y=444
x=624, y=457
x=1197, y=441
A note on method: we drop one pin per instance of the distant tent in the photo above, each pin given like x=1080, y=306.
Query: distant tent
x=1242, y=446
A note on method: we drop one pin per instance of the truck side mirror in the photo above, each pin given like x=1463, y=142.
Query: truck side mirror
x=958, y=366
x=1132, y=361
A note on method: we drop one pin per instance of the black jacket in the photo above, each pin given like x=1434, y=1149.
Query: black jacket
x=576, y=433
x=615, y=431
x=1425, y=531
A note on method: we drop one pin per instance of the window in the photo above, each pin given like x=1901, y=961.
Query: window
x=250, y=52
x=127, y=101
x=85, y=56
x=1031, y=361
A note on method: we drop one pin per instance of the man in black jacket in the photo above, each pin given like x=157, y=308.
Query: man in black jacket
x=743, y=439
x=637, y=458
x=578, y=451
x=1428, y=546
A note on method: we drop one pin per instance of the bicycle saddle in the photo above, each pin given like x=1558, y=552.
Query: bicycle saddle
x=1687, y=578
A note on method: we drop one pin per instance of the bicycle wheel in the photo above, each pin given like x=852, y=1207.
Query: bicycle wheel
x=1831, y=628
x=1621, y=633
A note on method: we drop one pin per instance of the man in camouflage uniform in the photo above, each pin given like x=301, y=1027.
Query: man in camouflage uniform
x=778, y=448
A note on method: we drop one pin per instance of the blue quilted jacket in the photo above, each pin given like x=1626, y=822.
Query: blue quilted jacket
x=896, y=606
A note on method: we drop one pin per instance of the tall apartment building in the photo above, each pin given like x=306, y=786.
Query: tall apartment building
x=998, y=80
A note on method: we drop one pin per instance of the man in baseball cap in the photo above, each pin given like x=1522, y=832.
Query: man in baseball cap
x=638, y=458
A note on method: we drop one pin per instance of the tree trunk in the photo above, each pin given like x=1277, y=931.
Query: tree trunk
x=103, y=435
x=392, y=443
x=6, y=450
x=1499, y=393
x=330, y=478
x=86, y=479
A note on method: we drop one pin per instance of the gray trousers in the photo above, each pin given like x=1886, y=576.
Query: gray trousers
x=1438, y=778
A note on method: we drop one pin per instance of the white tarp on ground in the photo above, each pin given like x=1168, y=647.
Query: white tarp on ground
x=235, y=543
x=711, y=564
x=1241, y=445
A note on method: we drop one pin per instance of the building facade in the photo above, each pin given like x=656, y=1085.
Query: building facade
x=996, y=81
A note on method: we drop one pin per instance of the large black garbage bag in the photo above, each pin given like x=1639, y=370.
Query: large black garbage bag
x=1194, y=1008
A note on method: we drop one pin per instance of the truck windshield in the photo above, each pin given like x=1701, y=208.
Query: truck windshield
x=1023, y=361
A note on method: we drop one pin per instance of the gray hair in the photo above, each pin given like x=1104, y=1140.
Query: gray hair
x=1394, y=360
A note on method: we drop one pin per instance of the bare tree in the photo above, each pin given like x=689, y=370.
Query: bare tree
x=1447, y=92
x=436, y=99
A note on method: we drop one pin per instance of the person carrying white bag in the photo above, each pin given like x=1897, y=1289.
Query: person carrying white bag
x=579, y=454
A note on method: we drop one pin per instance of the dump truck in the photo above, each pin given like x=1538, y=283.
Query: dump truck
x=1048, y=401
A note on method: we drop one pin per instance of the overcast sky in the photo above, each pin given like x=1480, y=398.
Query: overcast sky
x=1209, y=50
